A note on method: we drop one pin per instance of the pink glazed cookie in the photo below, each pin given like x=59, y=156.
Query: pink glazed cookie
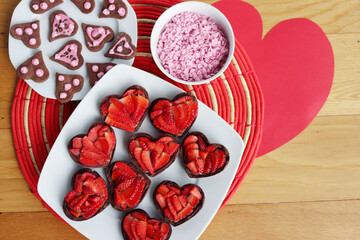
x=97, y=70
x=29, y=33
x=122, y=47
x=113, y=9
x=67, y=86
x=85, y=6
x=41, y=6
x=69, y=55
x=97, y=36
x=34, y=68
x=61, y=26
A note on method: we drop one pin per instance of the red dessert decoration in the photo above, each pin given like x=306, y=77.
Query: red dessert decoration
x=128, y=186
x=175, y=116
x=88, y=197
x=153, y=155
x=128, y=111
x=96, y=148
x=138, y=225
x=178, y=204
x=201, y=158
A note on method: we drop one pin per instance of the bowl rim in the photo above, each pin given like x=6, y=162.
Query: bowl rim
x=153, y=44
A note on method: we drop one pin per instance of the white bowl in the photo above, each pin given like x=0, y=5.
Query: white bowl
x=197, y=7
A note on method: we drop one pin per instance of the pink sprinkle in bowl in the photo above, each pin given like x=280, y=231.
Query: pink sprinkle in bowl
x=195, y=7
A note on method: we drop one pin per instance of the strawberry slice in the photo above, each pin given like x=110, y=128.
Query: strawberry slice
x=76, y=152
x=93, y=133
x=141, y=230
x=141, y=105
x=77, y=143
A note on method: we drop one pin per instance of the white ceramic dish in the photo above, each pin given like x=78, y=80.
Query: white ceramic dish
x=54, y=182
x=197, y=7
x=19, y=53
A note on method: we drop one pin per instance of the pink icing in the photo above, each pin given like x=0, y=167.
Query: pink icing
x=32, y=41
x=67, y=87
x=39, y=72
x=106, y=12
x=43, y=5
x=61, y=78
x=19, y=31
x=192, y=47
x=119, y=48
x=62, y=25
x=63, y=95
x=108, y=68
x=111, y=1
x=95, y=68
x=52, y=1
x=35, y=7
x=122, y=11
x=100, y=74
x=34, y=26
x=24, y=70
x=35, y=62
x=76, y=82
x=69, y=50
x=29, y=31
x=87, y=5
x=112, y=7
x=93, y=34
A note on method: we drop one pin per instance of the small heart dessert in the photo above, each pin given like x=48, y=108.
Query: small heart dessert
x=96, y=149
x=69, y=55
x=67, y=85
x=34, y=68
x=153, y=155
x=201, y=158
x=122, y=47
x=85, y=6
x=113, y=9
x=41, y=6
x=97, y=36
x=28, y=33
x=128, y=186
x=176, y=116
x=137, y=224
x=178, y=204
x=128, y=111
x=97, y=70
x=61, y=26
x=89, y=195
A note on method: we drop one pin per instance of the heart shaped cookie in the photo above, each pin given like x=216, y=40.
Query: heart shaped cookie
x=34, y=68
x=41, y=6
x=137, y=224
x=69, y=55
x=176, y=116
x=97, y=70
x=88, y=197
x=97, y=36
x=201, y=158
x=96, y=148
x=28, y=33
x=85, y=6
x=113, y=9
x=153, y=155
x=128, y=186
x=128, y=111
x=178, y=204
x=61, y=26
x=122, y=47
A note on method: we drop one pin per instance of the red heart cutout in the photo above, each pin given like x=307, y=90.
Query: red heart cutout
x=153, y=155
x=88, y=197
x=137, y=224
x=128, y=186
x=295, y=66
x=178, y=204
x=176, y=116
x=201, y=158
x=96, y=148
x=128, y=111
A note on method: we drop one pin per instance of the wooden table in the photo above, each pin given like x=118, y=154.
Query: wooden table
x=307, y=189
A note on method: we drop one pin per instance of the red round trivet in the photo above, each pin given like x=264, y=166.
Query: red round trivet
x=236, y=96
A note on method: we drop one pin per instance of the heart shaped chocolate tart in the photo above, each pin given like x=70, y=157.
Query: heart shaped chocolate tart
x=153, y=155
x=88, y=197
x=176, y=116
x=128, y=186
x=201, y=158
x=137, y=224
x=128, y=111
x=94, y=149
x=178, y=204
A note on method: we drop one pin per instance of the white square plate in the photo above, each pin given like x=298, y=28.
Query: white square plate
x=54, y=182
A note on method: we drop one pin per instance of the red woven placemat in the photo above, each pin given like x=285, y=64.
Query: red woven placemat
x=236, y=96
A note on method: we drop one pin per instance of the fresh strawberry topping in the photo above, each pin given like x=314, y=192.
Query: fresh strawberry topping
x=127, y=111
x=152, y=156
x=96, y=148
x=138, y=225
x=89, y=195
x=178, y=203
x=174, y=117
x=203, y=159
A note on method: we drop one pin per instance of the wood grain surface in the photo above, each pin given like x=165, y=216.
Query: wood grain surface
x=307, y=189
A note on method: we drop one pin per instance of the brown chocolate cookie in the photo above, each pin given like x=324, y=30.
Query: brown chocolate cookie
x=67, y=86
x=122, y=47
x=29, y=33
x=61, y=26
x=97, y=36
x=85, y=6
x=97, y=70
x=113, y=9
x=34, y=68
x=41, y=6
x=69, y=55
